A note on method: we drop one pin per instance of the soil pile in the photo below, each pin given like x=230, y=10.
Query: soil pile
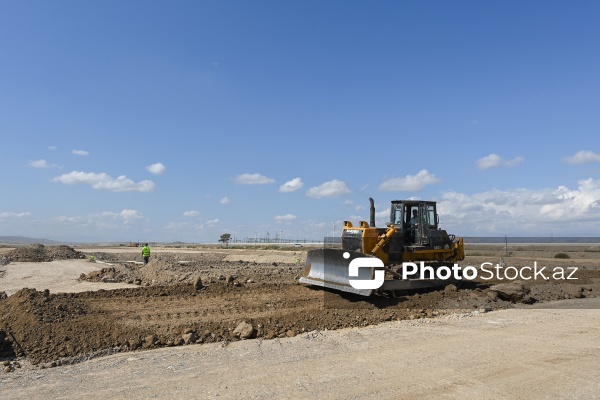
x=176, y=268
x=40, y=253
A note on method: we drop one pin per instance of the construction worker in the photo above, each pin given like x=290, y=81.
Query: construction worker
x=414, y=220
x=146, y=253
x=414, y=225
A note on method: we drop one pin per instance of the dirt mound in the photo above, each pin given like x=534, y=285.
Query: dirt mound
x=30, y=315
x=177, y=268
x=49, y=327
x=40, y=253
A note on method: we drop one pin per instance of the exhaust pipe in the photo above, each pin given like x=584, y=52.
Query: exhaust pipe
x=372, y=222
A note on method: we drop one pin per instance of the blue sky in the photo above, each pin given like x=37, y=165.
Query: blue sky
x=183, y=120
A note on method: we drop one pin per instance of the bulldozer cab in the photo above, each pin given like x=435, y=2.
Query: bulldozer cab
x=414, y=220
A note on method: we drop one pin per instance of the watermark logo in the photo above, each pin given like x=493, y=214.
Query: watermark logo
x=365, y=262
x=487, y=271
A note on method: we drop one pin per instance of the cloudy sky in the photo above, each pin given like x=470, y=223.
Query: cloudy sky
x=183, y=120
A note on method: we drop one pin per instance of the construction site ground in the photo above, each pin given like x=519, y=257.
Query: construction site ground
x=120, y=329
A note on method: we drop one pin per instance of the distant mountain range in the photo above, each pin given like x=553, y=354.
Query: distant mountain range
x=24, y=241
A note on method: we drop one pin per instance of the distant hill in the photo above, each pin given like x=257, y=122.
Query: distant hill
x=24, y=241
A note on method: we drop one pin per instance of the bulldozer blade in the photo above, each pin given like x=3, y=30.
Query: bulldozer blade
x=329, y=268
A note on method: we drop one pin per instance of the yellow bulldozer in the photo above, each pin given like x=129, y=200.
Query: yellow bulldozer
x=411, y=237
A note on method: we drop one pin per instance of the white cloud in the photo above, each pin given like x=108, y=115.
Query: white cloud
x=291, y=186
x=579, y=203
x=253, y=179
x=212, y=222
x=524, y=211
x=156, y=168
x=515, y=161
x=104, y=181
x=130, y=214
x=80, y=152
x=100, y=226
x=382, y=217
x=286, y=217
x=583, y=157
x=494, y=161
x=191, y=214
x=333, y=188
x=126, y=214
x=51, y=148
x=41, y=164
x=489, y=161
x=225, y=200
x=63, y=218
x=410, y=182
x=14, y=215
x=105, y=220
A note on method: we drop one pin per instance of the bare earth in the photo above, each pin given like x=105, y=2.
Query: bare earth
x=307, y=343
x=58, y=276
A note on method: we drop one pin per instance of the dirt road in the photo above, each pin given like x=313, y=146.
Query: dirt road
x=509, y=354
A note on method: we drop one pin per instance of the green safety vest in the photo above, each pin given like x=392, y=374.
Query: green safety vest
x=146, y=251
